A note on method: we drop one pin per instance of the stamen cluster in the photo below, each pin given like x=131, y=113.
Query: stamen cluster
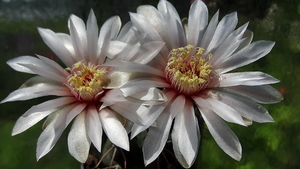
x=86, y=80
x=186, y=72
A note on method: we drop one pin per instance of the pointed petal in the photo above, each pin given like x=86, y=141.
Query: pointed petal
x=222, y=134
x=56, y=45
x=156, y=137
x=78, y=141
x=245, y=56
x=174, y=24
x=186, y=136
x=92, y=37
x=38, y=112
x=114, y=129
x=52, y=132
x=245, y=78
x=16, y=63
x=261, y=94
x=79, y=37
x=224, y=28
x=197, y=22
x=94, y=127
x=247, y=108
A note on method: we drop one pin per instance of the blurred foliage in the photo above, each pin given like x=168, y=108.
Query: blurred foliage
x=269, y=146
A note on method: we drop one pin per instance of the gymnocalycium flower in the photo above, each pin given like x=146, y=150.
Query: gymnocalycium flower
x=196, y=72
x=85, y=88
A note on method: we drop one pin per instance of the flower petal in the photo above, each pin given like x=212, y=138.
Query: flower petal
x=92, y=37
x=38, y=112
x=57, y=46
x=53, y=131
x=157, y=137
x=186, y=136
x=245, y=78
x=245, y=56
x=197, y=22
x=79, y=37
x=16, y=63
x=247, y=108
x=37, y=86
x=261, y=94
x=224, y=28
x=78, y=141
x=94, y=127
x=222, y=134
x=114, y=129
x=173, y=23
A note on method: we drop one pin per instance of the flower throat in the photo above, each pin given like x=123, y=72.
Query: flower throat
x=186, y=72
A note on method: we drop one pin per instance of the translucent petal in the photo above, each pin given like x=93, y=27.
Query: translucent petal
x=186, y=136
x=57, y=46
x=94, y=127
x=245, y=78
x=16, y=63
x=261, y=94
x=78, y=141
x=197, y=22
x=52, y=132
x=114, y=129
x=245, y=56
x=38, y=112
x=156, y=137
x=92, y=36
x=222, y=134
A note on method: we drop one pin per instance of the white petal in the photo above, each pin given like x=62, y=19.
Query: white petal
x=152, y=112
x=134, y=67
x=186, y=136
x=156, y=20
x=175, y=29
x=57, y=46
x=144, y=26
x=138, y=85
x=156, y=137
x=94, y=127
x=92, y=37
x=129, y=110
x=52, y=132
x=197, y=22
x=47, y=71
x=210, y=30
x=262, y=94
x=247, y=108
x=222, y=134
x=67, y=41
x=16, y=63
x=245, y=78
x=38, y=112
x=78, y=141
x=226, y=112
x=224, y=28
x=114, y=129
x=229, y=46
x=78, y=37
x=37, y=91
x=245, y=56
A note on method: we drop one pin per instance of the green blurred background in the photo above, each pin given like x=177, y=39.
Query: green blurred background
x=268, y=146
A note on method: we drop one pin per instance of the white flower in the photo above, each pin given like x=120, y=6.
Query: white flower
x=86, y=89
x=195, y=69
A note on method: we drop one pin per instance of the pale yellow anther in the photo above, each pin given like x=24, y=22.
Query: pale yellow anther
x=188, y=73
x=86, y=81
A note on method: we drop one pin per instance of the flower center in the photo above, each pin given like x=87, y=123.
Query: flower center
x=187, y=70
x=86, y=80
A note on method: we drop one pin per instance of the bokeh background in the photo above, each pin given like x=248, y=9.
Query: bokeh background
x=268, y=146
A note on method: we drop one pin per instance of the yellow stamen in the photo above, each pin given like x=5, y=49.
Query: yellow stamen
x=186, y=72
x=86, y=81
